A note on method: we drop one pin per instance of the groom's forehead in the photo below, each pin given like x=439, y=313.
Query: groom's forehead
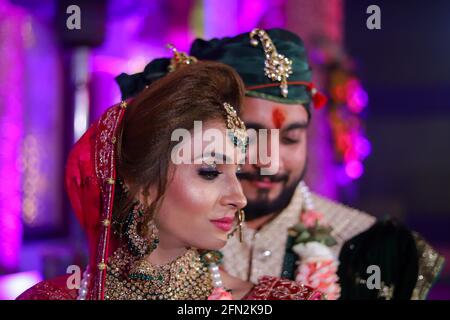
x=259, y=113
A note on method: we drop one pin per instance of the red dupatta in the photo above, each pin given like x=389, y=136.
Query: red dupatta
x=90, y=179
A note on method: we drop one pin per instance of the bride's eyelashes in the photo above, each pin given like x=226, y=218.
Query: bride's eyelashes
x=209, y=174
x=209, y=171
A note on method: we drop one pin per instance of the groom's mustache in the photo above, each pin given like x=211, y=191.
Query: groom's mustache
x=254, y=176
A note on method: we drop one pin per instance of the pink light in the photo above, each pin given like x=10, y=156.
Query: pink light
x=251, y=13
x=350, y=155
x=11, y=123
x=11, y=286
x=354, y=169
x=357, y=97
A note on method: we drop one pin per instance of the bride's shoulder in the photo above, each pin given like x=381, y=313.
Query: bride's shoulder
x=274, y=288
x=53, y=289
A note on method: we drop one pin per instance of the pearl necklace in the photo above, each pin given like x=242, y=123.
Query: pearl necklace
x=212, y=259
x=306, y=196
x=215, y=276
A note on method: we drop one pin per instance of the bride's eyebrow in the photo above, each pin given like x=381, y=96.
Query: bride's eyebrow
x=227, y=160
x=221, y=158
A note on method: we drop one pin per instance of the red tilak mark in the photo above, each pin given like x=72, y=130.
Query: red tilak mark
x=278, y=118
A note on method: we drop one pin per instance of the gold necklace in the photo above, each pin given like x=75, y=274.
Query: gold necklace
x=186, y=278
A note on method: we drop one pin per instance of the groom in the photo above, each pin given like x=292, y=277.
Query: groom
x=280, y=95
x=290, y=231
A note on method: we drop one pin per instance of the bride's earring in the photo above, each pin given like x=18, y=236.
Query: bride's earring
x=138, y=245
x=241, y=219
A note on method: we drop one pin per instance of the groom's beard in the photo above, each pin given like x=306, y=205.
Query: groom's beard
x=262, y=206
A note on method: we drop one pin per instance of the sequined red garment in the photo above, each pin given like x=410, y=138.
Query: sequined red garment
x=54, y=289
x=268, y=288
x=273, y=288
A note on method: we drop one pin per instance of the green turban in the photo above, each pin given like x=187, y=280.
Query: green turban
x=248, y=53
x=248, y=58
x=131, y=85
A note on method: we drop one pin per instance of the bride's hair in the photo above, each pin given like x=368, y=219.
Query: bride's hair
x=191, y=93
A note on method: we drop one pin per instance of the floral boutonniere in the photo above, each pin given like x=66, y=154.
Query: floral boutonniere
x=318, y=265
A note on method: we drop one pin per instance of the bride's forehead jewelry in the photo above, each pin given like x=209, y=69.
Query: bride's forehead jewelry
x=236, y=128
x=179, y=59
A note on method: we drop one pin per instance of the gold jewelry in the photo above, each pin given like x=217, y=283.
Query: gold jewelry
x=186, y=278
x=138, y=245
x=179, y=59
x=241, y=219
x=236, y=128
x=277, y=67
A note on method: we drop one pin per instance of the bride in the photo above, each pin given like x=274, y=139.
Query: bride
x=154, y=222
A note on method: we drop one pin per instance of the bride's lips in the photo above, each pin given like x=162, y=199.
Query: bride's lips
x=224, y=224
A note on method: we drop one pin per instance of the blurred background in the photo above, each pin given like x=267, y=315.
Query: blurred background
x=381, y=144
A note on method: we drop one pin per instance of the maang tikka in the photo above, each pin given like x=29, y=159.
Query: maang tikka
x=236, y=128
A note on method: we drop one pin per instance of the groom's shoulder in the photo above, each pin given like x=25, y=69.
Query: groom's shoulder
x=346, y=221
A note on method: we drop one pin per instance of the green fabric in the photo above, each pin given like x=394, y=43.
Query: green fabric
x=290, y=260
x=387, y=245
x=131, y=85
x=248, y=61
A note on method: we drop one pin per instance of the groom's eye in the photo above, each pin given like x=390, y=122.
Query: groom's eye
x=291, y=137
x=286, y=140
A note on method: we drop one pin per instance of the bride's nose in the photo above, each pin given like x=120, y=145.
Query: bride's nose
x=234, y=194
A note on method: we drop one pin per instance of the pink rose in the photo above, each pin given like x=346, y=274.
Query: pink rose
x=309, y=218
x=220, y=294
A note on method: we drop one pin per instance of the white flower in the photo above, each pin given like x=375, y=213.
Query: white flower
x=313, y=251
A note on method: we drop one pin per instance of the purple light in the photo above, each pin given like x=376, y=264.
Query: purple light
x=363, y=147
x=13, y=285
x=354, y=169
x=318, y=56
x=342, y=178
